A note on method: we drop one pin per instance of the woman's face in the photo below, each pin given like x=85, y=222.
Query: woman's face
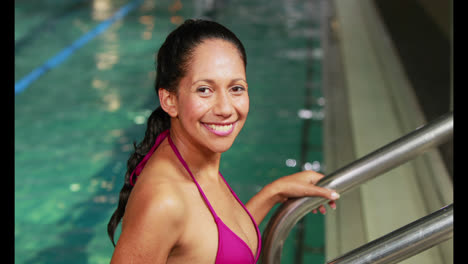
x=212, y=100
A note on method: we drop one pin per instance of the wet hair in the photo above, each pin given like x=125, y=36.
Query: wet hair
x=172, y=62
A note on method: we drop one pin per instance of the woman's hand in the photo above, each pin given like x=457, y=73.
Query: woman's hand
x=302, y=184
x=296, y=185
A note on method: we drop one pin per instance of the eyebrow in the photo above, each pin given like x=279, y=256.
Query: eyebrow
x=213, y=82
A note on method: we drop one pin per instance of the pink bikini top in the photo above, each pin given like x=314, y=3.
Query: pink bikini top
x=231, y=248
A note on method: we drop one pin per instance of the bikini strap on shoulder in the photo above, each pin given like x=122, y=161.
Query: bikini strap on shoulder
x=142, y=163
x=179, y=156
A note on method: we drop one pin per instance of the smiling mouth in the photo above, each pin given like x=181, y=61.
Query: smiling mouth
x=220, y=129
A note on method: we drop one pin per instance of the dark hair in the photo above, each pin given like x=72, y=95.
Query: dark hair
x=172, y=61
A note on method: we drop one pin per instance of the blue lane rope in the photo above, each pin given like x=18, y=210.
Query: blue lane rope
x=53, y=62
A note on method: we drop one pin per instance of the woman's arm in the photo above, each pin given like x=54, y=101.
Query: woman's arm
x=300, y=184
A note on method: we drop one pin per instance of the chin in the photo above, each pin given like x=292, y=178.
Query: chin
x=221, y=146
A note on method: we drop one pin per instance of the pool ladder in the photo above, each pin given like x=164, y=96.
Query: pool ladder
x=396, y=246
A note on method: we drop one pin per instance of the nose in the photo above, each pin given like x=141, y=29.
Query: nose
x=223, y=106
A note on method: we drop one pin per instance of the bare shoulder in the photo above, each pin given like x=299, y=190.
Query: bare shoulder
x=157, y=196
x=159, y=189
x=153, y=222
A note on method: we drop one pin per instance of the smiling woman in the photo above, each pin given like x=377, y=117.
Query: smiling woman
x=173, y=188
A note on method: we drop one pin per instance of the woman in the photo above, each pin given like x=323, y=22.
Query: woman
x=175, y=206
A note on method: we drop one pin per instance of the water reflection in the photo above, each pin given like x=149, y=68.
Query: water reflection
x=107, y=59
x=176, y=6
x=99, y=84
x=173, y=9
x=148, y=21
x=112, y=100
x=177, y=20
x=107, y=56
x=148, y=5
x=101, y=10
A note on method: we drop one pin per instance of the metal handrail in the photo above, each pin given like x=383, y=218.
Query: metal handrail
x=404, y=242
x=350, y=176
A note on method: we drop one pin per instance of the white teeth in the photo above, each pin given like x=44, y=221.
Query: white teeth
x=221, y=128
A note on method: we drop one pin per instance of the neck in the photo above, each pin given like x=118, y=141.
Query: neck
x=203, y=164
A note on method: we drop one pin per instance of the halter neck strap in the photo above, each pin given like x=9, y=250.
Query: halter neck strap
x=179, y=156
x=142, y=163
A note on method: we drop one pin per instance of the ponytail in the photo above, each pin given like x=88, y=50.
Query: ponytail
x=158, y=122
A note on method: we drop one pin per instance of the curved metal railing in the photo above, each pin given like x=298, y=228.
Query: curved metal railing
x=404, y=242
x=350, y=176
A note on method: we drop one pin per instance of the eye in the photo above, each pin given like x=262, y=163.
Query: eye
x=204, y=91
x=237, y=89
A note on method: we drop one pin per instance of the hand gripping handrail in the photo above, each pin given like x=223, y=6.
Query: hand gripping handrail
x=350, y=176
x=404, y=242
